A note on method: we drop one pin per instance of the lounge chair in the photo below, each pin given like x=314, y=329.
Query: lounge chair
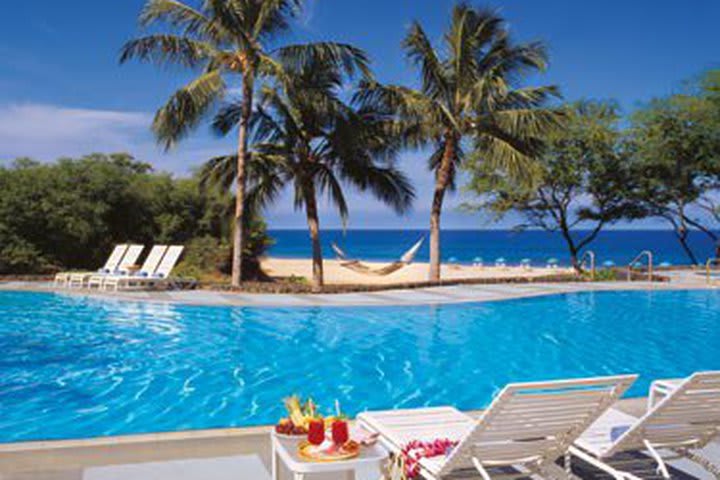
x=149, y=278
x=129, y=258
x=685, y=420
x=62, y=278
x=148, y=267
x=526, y=428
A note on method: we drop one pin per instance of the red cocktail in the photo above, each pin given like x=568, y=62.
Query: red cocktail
x=340, y=433
x=316, y=432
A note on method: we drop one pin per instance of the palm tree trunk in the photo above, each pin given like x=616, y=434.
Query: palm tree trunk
x=442, y=180
x=239, y=224
x=314, y=227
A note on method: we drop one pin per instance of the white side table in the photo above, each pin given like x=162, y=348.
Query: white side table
x=285, y=451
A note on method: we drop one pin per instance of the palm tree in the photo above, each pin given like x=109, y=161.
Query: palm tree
x=307, y=136
x=470, y=107
x=225, y=42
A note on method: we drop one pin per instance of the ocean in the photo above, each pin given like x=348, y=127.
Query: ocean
x=464, y=246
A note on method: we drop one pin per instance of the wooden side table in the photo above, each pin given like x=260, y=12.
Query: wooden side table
x=285, y=451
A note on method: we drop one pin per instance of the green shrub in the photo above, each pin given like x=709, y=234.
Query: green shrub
x=606, y=275
x=204, y=257
x=69, y=214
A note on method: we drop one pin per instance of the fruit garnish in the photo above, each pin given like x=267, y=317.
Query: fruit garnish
x=295, y=411
x=301, y=413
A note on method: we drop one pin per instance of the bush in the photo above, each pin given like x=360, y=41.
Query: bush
x=69, y=214
x=606, y=275
x=22, y=258
x=205, y=259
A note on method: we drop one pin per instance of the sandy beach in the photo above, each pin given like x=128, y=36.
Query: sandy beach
x=335, y=273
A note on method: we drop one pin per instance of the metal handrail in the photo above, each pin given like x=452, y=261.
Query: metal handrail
x=710, y=262
x=590, y=255
x=644, y=253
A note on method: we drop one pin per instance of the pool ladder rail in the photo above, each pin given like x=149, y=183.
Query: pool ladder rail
x=589, y=255
x=636, y=261
x=708, y=270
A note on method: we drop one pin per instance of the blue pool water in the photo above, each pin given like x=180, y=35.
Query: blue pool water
x=76, y=367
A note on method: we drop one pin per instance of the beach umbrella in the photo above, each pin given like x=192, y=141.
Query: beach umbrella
x=608, y=264
x=477, y=261
x=500, y=262
x=665, y=264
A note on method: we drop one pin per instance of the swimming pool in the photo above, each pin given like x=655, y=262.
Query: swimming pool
x=79, y=367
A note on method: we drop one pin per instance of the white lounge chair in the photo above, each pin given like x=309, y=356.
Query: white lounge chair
x=129, y=258
x=686, y=419
x=527, y=427
x=63, y=278
x=149, y=279
x=148, y=267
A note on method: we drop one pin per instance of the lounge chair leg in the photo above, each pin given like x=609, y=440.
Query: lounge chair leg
x=567, y=459
x=478, y=466
x=662, y=468
x=600, y=465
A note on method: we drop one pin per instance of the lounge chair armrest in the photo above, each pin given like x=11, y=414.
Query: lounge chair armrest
x=661, y=388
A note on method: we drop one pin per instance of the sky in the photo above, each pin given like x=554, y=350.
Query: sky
x=63, y=93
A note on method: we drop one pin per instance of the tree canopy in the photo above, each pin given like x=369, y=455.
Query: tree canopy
x=581, y=180
x=473, y=105
x=676, y=160
x=70, y=213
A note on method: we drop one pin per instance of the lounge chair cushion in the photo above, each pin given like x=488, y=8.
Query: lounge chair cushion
x=400, y=427
x=601, y=435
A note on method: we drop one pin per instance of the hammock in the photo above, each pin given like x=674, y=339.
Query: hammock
x=359, y=267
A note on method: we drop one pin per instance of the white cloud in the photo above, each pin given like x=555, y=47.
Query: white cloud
x=46, y=132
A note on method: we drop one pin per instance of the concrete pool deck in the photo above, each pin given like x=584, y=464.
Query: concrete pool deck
x=679, y=280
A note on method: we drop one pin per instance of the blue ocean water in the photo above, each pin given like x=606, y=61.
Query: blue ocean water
x=76, y=367
x=618, y=246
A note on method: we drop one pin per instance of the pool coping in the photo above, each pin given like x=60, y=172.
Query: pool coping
x=33, y=456
x=421, y=296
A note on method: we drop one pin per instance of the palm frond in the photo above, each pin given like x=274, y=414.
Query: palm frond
x=347, y=59
x=529, y=97
x=416, y=118
x=186, y=108
x=420, y=51
x=165, y=49
x=266, y=180
x=186, y=19
x=272, y=16
x=508, y=153
x=527, y=122
x=227, y=118
x=328, y=183
x=218, y=172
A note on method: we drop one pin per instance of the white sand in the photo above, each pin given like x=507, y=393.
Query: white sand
x=416, y=272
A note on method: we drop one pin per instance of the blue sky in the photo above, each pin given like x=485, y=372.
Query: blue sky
x=63, y=93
